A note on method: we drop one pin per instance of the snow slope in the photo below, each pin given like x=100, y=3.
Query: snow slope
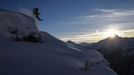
x=11, y=20
x=52, y=57
x=90, y=54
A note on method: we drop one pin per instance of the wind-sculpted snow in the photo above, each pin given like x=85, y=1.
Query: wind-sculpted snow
x=10, y=20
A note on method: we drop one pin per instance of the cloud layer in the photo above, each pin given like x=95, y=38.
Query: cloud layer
x=100, y=20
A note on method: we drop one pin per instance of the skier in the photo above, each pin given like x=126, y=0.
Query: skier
x=36, y=13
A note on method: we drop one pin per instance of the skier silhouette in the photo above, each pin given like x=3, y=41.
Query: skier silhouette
x=36, y=13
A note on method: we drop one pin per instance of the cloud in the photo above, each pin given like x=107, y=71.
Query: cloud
x=110, y=13
x=95, y=37
x=104, y=10
x=99, y=20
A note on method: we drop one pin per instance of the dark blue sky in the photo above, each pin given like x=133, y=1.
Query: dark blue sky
x=67, y=19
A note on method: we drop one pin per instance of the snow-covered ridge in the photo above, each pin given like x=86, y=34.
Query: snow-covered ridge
x=11, y=21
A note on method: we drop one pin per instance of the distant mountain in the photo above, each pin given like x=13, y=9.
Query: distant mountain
x=117, y=41
x=118, y=51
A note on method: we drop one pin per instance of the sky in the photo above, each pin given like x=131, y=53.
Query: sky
x=80, y=20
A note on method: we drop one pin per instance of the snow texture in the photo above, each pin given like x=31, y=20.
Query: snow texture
x=11, y=20
x=52, y=57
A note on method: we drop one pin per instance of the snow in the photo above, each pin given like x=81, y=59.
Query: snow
x=90, y=54
x=52, y=57
x=73, y=46
x=13, y=20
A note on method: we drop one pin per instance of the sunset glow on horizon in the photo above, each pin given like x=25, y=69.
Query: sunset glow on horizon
x=112, y=32
x=99, y=35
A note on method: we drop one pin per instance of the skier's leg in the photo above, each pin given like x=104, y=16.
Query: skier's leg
x=39, y=18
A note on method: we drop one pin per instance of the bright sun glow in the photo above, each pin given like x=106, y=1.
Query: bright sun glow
x=111, y=33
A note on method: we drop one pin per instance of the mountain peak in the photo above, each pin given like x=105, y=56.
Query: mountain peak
x=115, y=37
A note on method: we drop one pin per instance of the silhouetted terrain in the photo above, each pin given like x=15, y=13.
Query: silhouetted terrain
x=118, y=51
